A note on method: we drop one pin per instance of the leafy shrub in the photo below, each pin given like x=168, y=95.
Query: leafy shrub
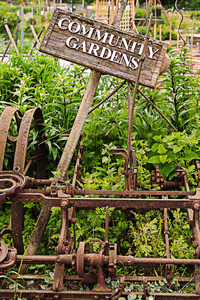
x=9, y=16
x=195, y=13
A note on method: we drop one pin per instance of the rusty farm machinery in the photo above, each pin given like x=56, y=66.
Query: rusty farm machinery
x=89, y=267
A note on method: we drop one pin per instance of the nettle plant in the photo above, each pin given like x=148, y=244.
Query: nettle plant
x=177, y=149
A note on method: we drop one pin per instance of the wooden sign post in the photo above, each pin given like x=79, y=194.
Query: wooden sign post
x=103, y=47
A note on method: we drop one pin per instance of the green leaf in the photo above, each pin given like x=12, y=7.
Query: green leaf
x=163, y=158
x=177, y=149
x=154, y=148
x=55, y=153
x=154, y=159
x=157, y=138
x=189, y=155
x=161, y=149
x=131, y=296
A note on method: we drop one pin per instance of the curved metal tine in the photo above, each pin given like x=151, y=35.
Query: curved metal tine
x=22, y=140
x=5, y=121
x=177, y=9
x=19, y=164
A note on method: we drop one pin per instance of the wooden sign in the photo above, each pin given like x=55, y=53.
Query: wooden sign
x=102, y=47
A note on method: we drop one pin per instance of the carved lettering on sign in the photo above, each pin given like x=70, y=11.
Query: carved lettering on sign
x=102, y=47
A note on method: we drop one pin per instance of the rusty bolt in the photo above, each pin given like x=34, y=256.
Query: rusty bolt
x=73, y=220
x=196, y=206
x=88, y=259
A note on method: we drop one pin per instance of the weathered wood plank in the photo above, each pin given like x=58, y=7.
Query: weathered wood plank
x=102, y=47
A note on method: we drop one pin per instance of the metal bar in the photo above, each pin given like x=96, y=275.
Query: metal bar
x=190, y=212
x=125, y=260
x=153, y=105
x=77, y=278
x=83, y=295
x=118, y=203
x=138, y=193
x=110, y=95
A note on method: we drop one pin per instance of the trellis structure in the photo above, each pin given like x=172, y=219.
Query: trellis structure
x=105, y=10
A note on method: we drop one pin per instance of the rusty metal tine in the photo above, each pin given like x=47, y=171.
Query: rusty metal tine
x=129, y=113
x=110, y=95
x=19, y=164
x=155, y=107
x=106, y=224
x=74, y=229
x=16, y=28
x=196, y=231
x=196, y=235
x=166, y=232
x=78, y=162
x=189, y=211
x=22, y=140
x=61, y=249
x=5, y=23
x=137, y=82
x=168, y=268
x=5, y=120
x=27, y=167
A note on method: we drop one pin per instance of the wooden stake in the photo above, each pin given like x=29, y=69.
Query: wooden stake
x=16, y=28
x=35, y=35
x=192, y=40
x=5, y=23
x=178, y=38
x=39, y=35
x=160, y=32
x=170, y=33
x=97, y=9
x=155, y=24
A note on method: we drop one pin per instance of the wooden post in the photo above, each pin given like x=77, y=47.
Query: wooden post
x=85, y=106
x=22, y=29
x=16, y=38
x=35, y=35
x=160, y=32
x=97, y=9
x=9, y=43
x=39, y=35
x=170, y=33
x=192, y=39
x=155, y=24
x=178, y=38
x=112, y=9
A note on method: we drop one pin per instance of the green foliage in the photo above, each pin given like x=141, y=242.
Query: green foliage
x=195, y=13
x=9, y=16
x=175, y=149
